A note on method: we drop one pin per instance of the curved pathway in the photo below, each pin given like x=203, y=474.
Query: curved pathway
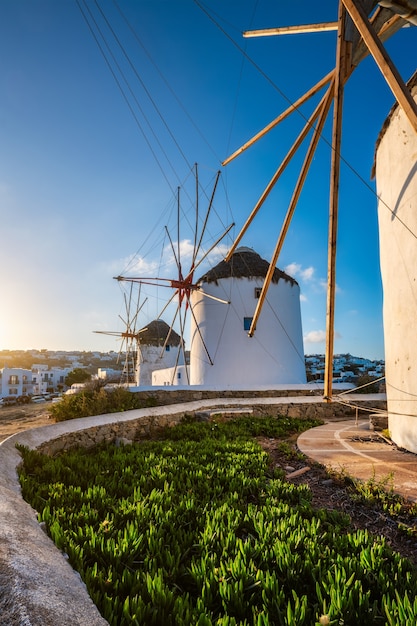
x=350, y=447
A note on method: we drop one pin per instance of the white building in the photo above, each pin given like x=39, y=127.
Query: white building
x=108, y=373
x=155, y=353
x=396, y=177
x=46, y=379
x=222, y=353
x=15, y=381
x=176, y=376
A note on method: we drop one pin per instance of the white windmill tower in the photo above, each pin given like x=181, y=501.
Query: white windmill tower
x=159, y=351
x=274, y=355
x=396, y=169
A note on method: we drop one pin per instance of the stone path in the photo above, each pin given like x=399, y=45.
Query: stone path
x=352, y=448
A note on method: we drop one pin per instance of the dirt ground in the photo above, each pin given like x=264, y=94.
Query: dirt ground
x=17, y=418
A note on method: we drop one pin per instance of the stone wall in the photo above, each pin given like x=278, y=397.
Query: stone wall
x=136, y=429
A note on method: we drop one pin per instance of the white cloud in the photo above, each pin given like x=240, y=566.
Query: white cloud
x=134, y=265
x=319, y=336
x=295, y=269
x=292, y=269
x=308, y=273
x=315, y=336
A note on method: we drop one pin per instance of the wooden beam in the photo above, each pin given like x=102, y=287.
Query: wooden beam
x=292, y=30
x=325, y=106
x=382, y=59
x=341, y=73
x=311, y=92
x=384, y=28
x=279, y=171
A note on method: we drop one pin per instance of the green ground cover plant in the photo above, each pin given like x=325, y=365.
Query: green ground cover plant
x=195, y=529
x=96, y=402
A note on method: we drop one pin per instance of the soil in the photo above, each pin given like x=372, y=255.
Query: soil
x=328, y=491
x=17, y=418
x=333, y=492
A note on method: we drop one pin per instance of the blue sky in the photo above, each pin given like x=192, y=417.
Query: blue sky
x=88, y=174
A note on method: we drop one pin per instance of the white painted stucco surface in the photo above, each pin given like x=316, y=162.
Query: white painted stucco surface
x=274, y=355
x=396, y=176
x=152, y=358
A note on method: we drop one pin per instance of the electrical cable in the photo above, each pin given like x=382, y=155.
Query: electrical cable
x=119, y=85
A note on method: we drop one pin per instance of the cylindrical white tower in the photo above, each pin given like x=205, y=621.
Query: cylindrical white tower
x=152, y=353
x=222, y=353
x=396, y=178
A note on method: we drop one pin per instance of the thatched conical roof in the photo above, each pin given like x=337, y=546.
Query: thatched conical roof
x=155, y=333
x=245, y=263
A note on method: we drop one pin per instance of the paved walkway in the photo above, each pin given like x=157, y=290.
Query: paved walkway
x=351, y=447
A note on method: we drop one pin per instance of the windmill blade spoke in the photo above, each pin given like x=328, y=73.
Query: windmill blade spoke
x=209, y=295
x=127, y=302
x=322, y=27
x=130, y=300
x=146, y=280
x=196, y=215
x=293, y=203
x=205, y=255
x=200, y=335
x=383, y=61
x=169, y=332
x=326, y=79
x=174, y=369
x=180, y=348
x=139, y=306
x=308, y=126
x=173, y=251
x=120, y=350
x=138, y=310
x=178, y=233
x=167, y=304
x=203, y=230
x=182, y=327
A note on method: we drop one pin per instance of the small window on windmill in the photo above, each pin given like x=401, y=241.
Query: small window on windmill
x=179, y=375
x=258, y=292
x=167, y=347
x=247, y=322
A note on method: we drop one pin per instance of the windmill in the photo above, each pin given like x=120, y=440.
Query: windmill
x=362, y=27
x=182, y=285
x=130, y=338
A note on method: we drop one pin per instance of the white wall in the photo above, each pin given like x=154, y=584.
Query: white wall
x=15, y=381
x=153, y=358
x=275, y=353
x=170, y=376
x=44, y=378
x=396, y=176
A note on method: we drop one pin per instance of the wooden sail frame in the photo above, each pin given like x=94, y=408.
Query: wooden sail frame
x=130, y=338
x=369, y=32
x=183, y=285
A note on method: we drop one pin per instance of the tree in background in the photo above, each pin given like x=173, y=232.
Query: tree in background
x=78, y=375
